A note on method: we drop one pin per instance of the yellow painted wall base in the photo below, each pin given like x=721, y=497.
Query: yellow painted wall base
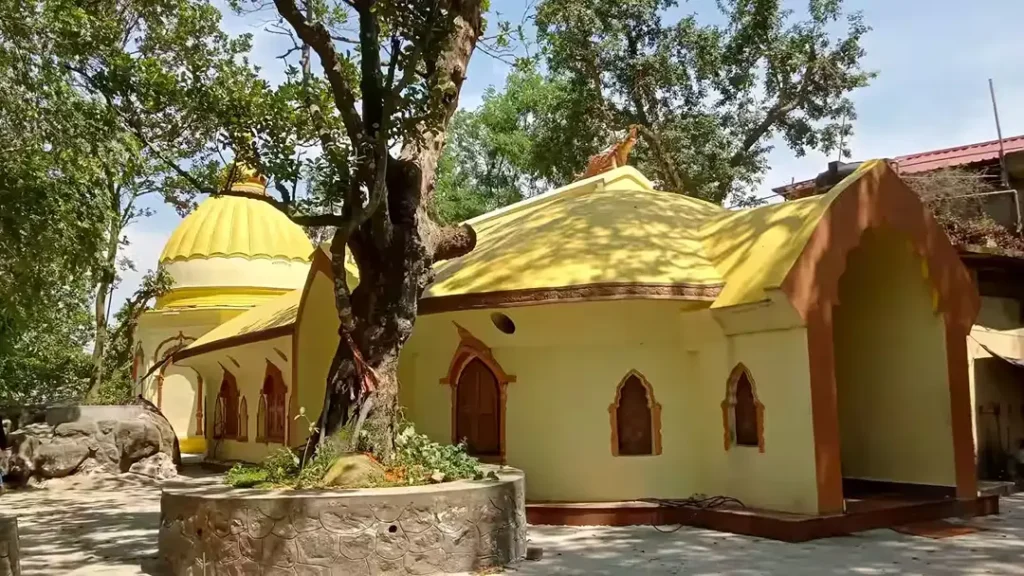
x=192, y=445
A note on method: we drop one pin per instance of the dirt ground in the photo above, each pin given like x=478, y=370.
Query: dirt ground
x=109, y=526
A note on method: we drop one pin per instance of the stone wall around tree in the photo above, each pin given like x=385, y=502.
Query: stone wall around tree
x=460, y=526
x=9, y=550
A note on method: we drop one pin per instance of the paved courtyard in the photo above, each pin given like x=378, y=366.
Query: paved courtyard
x=109, y=526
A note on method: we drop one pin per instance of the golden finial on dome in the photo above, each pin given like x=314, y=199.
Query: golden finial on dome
x=245, y=178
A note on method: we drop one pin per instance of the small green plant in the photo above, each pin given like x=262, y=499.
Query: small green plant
x=419, y=460
x=280, y=468
x=242, y=476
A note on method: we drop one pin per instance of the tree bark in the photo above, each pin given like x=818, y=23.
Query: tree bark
x=103, y=292
x=395, y=248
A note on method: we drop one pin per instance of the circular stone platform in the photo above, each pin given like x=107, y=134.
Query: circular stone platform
x=442, y=528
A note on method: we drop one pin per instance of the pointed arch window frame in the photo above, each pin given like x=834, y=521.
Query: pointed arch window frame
x=243, y=420
x=652, y=405
x=265, y=406
x=228, y=408
x=470, y=347
x=729, y=409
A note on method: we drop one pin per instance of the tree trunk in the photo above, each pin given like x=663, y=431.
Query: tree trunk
x=395, y=248
x=103, y=293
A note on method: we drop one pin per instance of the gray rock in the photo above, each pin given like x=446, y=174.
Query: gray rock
x=168, y=439
x=141, y=441
x=21, y=456
x=136, y=439
x=59, y=459
x=76, y=429
x=157, y=466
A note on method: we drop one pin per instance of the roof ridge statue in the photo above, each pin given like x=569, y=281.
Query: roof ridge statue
x=613, y=157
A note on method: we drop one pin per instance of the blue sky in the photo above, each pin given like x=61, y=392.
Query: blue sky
x=934, y=59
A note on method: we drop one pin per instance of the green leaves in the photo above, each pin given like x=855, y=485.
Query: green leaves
x=713, y=94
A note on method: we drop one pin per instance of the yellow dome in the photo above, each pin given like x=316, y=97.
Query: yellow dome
x=234, y=251
x=238, y=227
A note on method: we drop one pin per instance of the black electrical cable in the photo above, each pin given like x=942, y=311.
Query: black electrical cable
x=696, y=503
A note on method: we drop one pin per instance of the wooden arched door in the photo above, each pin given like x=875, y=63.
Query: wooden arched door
x=477, y=408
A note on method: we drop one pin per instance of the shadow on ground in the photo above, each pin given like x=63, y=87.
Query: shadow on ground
x=998, y=549
x=87, y=525
x=109, y=527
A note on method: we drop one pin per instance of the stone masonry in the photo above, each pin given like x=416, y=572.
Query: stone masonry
x=9, y=564
x=443, y=528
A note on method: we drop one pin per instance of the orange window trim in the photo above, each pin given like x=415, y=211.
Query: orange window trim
x=470, y=347
x=652, y=404
x=273, y=401
x=729, y=407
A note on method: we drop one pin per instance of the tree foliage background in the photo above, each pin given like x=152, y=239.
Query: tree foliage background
x=709, y=92
x=105, y=102
x=76, y=159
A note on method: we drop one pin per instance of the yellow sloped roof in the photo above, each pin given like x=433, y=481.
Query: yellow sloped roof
x=270, y=320
x=235, y=226
x=754, y=249
x=612, y=228
x=615, y=228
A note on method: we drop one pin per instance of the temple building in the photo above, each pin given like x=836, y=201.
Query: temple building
x=613, y=341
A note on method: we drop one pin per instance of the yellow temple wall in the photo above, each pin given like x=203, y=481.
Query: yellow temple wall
x=891, y=372
x=162, y=332
x=316, y=340
x=783, y=477
x=248, y=364
x=568, y=359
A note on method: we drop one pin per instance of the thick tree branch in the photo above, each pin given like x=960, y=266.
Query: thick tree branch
x=675, y=180
x=454, y=241
x=319, y=38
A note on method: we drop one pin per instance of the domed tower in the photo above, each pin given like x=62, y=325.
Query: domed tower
x=231, y=253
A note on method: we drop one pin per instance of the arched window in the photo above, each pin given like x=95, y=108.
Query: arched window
x=225, y=419
x=635, y=418
x=243, y=421
x=742, y=412
x=272, y=414
x=261, y=419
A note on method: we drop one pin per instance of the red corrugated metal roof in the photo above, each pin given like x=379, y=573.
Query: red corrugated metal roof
x=958, y=156
x=937, y=159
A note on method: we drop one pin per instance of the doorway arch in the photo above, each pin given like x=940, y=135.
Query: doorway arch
x=478, y=410
x=479, y=393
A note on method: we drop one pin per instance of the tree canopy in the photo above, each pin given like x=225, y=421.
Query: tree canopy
x=708, y=92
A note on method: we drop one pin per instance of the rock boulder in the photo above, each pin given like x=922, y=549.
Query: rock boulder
x=159, y=466
x=354, y=470
x=142, y=442
x=60, y=459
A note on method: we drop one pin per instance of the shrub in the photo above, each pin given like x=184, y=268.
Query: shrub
x=418, y=460
x=280, y=468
